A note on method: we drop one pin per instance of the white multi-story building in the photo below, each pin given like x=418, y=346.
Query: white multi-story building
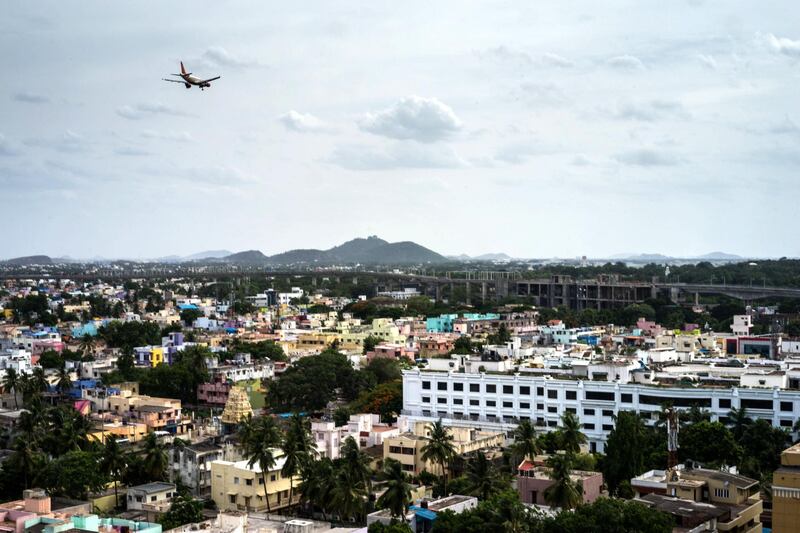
x=741, y=325
x=285, y=298
x=499, y=401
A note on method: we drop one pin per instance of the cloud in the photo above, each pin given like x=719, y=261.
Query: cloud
x=68, y=142
x=707, y=61
x=177, y=136
x=132, y=151
x=144, y=110
x=222, y=175
x=6, y=150
x=413, y=117
x=783, y=45
x=626, y=62
x=556, y=60
x=506, y=54
x=302, y=122
x=647, y=157
x=217, y=56
x=518, y=153
x=581, y=160
x=401, y=155
x=30, y=98
x=650, y=111
x=547, y=93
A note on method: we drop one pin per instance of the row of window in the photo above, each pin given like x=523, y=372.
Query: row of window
x=525, y=390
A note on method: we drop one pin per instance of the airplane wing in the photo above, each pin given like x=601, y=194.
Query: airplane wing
x=211, y=79
x=173, y=81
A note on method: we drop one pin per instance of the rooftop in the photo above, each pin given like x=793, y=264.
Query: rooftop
x=156, y=486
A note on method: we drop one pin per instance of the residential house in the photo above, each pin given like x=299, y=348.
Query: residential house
x=238, y=486
x=533, y=480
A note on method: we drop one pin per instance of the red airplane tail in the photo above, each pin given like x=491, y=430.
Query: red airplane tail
x=183, y=70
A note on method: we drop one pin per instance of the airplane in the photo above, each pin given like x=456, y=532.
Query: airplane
x=188, y=80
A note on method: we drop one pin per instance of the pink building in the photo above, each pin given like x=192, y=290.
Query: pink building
x=214, y=393
x=533, y=481
x=391, y=351
x=649, y=328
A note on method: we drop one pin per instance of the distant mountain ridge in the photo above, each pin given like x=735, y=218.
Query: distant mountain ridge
x=29, y=260
x=370, y=250
x=712, y=256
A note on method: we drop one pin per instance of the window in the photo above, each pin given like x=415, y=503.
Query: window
x=441, y=400
x=508, y=405
x=722, y=493
x=539, y=391
x=508, y=389
x=572, y=395
x=474, y=402
x=608, y=427
x=725, y=403
x=786, y=423
x=571, y=410
x=272, y=477
x=524, y=405
x=408, y=468
x=540, y=406
x=490, y=403
x=588, y=412
x=626, y=398
x=474, y=387
x=491, y=388
x=442, y=385
x=232, y=498
x=236, y=481
x=249, y=482
x=426, y=385
x=756, y=404
x=786, y=406
x=552, y=409
x=597, y=395
x=608, y=412
x=588, y=426
x=459, y=387
x=552, y=394
x=152, y=498
x=426, y=399
x=458, y=401
x=525, y=391
x=552, y=423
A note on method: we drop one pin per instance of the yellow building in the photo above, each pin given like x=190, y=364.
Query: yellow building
x=406, y=448
x=786, y=492
x=235, y=486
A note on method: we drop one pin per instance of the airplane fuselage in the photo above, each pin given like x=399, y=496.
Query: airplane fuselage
x=194, y=80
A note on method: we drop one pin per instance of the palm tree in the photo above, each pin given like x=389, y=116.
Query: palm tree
x=114, y=463
x=482, y=477
x=739, y=419
x=39, y=381
x=155, y=458
x=259, y=438
x=564, y=493
x=696, y=414
x=439, y=448
x=64, y=384
x=67, y=431
x=348, y=493
x=315, y=487
x=525, y=446
x=397, y=496
x=25, y=459
x=356, y=462
x=11, y=383
x=86, y=345
x=570, y=433
x=25, y=385
x=298, y=449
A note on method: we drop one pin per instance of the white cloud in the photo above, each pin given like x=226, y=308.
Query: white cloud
x=783, y=45
x=6, y=149
x=581, y=160
x=302, y=122
x=520, y=152
x=547, y=93
x=68, y=142
x=556, y=60
x=217, y=56
x=707, y=60
x=131, y=151
x=650, y=111
x=504, y=53
x=177, y=136
x=413, y=117
x=626, y=62
x=144, y=110
x=647, y=157
x=30, y=98
x=399, y=155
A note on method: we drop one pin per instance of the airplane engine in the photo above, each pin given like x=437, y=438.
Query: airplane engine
x=187, y=85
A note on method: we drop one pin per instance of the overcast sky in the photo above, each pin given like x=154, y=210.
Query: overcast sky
x=538, y=129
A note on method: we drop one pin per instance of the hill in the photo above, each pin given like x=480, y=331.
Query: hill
x=247, y=257
x=357, y=250
x=29, y=260
x=300, y=256
x=720, y=256
x=405, y=252
x=209, y=254
x=493, y=257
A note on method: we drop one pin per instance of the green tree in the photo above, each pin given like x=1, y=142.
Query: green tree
x=315, y=488
x=709, y=443
x=526, y=445
x=564, y=493
x=11, y=384
x=64, y=384
x=184, y=510
x=484, y=480
x=739, y=421
x=462, y=345
x=86, y=345
x=356, y=462
x=73, y=475
x=384, y=369
x=397, y=495
x=38, y=380
x=341, y=416
x=51, y=359
x=439, y=448
x=260, y=437
x=570, y=435
x=608, y=515
x=625, y=450
x=298, y=449
x=155, y=461
x=25, y=460
x=114, y=463
x=370, y=342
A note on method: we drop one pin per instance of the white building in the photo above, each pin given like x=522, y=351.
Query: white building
x=499, y=401
x=285, y=298
x=155, y=497
x=741, y=325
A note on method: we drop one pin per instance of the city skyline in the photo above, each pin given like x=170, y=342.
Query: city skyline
x=537, y=131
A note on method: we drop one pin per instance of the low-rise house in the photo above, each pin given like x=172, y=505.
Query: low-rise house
x=152, y=497
x=191, y=464
x=533, y=481
x=421, y=516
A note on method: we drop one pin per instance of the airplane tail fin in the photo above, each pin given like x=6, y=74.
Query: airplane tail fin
x=183, y=70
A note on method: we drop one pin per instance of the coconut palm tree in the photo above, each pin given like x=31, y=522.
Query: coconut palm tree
x=348, y=494
x=397, y=496
x=315, y=488
x=64, y=384
x=67, y=430
x=439, y=448
x=739, y=420
x=25, y=459
x=298, y=449
x=564, y=493
x=482, y=477
x=86, y=345
x=526, y=445
x=155, y=461
x=260, y=437
x=11, y=383
x=571, y=436
x=356, y=462
x=114, y=463
x=38, y=380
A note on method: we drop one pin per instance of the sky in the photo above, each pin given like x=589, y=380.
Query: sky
x=538, y=129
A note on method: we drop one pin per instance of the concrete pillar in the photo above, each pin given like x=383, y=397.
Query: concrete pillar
x=438, y=287
x=484, y=291
x=467, y=288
